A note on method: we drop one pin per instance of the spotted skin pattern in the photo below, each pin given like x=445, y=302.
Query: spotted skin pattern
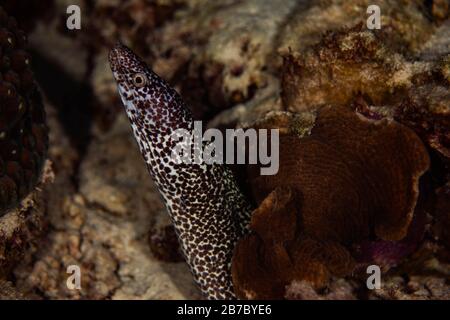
x=207, y=209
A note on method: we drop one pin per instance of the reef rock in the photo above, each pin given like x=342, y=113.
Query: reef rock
x=23, y=132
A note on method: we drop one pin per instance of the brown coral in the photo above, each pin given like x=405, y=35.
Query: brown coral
x=23, y=133
x=350, y=180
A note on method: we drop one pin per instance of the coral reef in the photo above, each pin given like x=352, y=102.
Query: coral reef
x=102, y=226
x=406, y=23
x=213, y=69
x=350, y=180
x=130, y=20
x=354, y=65
x=343, y=64
x=239, y=63
x=24, y=173
x=374, y=74
x=23, y=227
x=23, y=133
x=338, y=290
x=343, y=68
x=8, y=292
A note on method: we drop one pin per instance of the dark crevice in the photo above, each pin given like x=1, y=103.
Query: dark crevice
x=73, y=101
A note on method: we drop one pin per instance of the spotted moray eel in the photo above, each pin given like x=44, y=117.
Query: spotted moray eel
x=207, y=209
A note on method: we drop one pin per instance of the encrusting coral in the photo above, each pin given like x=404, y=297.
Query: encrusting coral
x=184, y=42
x=8, y=292
x=21, y=228
x=350, y=180
x=383, y=79
x=355, y=62
x=23, y=132
x=407, y=24
x=342, y=64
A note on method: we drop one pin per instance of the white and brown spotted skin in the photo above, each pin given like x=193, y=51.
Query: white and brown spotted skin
x=207, y=209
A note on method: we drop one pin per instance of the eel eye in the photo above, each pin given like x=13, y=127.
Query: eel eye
x=139, y=80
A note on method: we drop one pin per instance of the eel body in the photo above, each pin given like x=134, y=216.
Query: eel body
x=206, y=207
